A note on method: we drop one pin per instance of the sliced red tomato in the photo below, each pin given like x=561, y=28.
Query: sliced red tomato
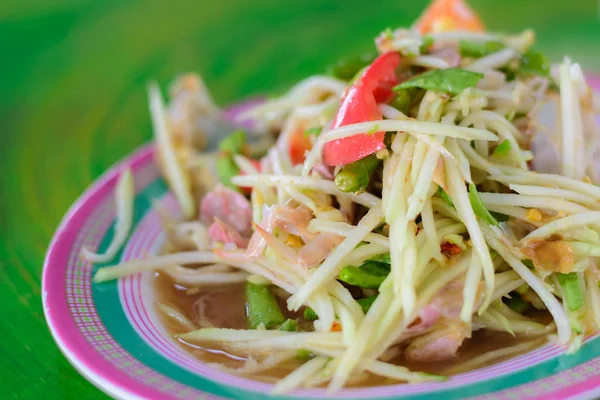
x=256, y=164
x=449, y=15
x=299, y=144
x=350, y=149
x=359, y=104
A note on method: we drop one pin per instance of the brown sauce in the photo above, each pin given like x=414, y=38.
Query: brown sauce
x=228, y=304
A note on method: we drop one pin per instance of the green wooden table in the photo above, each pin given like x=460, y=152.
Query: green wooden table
x=72, y=102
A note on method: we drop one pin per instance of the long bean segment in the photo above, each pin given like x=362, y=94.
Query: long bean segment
x=262, y=307
x=290, y=325
x=370, y=275
x=366, y=303
x=355, y=177
x=310, y=314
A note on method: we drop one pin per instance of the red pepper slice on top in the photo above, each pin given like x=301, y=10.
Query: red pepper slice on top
x=359, y=104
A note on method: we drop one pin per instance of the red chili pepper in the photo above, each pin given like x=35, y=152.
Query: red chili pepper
x=359, y=104
x=450, y=249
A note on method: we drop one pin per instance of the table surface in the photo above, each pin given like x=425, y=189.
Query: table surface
x=72, y=102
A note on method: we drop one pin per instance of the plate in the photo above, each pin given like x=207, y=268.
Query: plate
x=111, y=333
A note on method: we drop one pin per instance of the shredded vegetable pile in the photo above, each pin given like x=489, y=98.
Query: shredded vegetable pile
x=442, y=185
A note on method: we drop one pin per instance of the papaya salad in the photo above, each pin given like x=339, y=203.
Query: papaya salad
x=376, y=217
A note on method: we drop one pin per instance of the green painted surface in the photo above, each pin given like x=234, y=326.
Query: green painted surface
x=72, y=102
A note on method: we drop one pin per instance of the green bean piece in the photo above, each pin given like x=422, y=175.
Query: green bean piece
x=480, y=211
x=227, y=169
x=402, y=101
x=383, y=258
x=366, y=303
x=516, y=303
x=303, y=354
x=479, y=49
x=359, y=277
x=572, y=291
x=346, y=68
x=290, y=325
x=355, y=176
x=234, y=143
x=262, y=307
x=310, y=314
x=375, y=268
